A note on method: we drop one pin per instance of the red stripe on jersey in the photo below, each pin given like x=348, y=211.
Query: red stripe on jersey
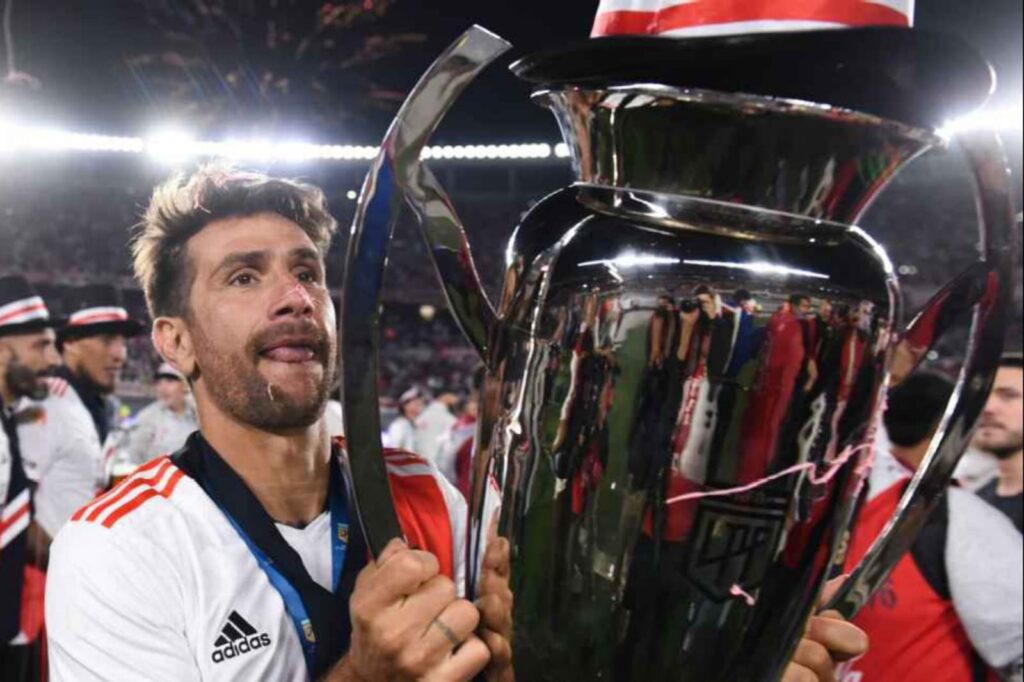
x=123, y=490
x=425, y=518
x=13, y=518
x=144, y=497
x=58, y=387
x=118, y=490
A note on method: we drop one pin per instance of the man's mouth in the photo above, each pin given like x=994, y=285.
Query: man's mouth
x=292, y=350
x=292, y=354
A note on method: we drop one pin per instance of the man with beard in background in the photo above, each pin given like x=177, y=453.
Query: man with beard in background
x=71, y=466
x=27, y=355
x=1000, y=434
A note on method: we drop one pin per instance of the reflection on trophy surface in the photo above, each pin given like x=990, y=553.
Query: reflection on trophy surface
x=693, y=339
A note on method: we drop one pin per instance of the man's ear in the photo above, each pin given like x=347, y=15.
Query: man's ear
x=174, y=343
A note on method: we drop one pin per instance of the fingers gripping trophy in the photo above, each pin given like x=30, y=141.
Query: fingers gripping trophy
x=676, y=442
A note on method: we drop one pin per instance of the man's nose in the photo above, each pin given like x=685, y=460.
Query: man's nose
x=119, y=351
x=293, y=301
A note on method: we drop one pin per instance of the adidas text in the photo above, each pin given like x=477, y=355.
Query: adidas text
x=242, y=647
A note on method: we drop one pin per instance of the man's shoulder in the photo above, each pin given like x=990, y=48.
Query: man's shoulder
x=415, y=477
x=150, y=412
x=151, y=496
x=62, y=399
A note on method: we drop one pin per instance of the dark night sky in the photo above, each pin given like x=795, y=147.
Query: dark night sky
x=76, y=48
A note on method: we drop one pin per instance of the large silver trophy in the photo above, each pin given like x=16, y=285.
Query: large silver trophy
x=693, y=339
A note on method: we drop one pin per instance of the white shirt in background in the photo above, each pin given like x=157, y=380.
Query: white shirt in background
x=63, y=456
x=160, y=431
x=432, y=425
x=401, y=435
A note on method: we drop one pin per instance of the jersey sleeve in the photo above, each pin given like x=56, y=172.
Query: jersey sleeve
x=985, y=565
x=114, y=610
x=34, y=441
x=70, y=478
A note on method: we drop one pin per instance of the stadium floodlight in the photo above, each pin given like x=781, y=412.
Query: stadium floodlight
x=15, y=138
x=1006, y=119
x=174, y=146
x=171, y=146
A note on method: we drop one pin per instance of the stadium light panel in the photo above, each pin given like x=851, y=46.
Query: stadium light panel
x=171, y=146
x=174, y=146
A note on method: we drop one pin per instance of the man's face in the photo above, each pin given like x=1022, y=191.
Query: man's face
x=803, y=307
x=1001, y=428
x=99, y=358
x=825, y=309
x=31, y=358
x=413, y=408
x=707, y=304
x=473, y=406
x=171, y=392
x=261, y=322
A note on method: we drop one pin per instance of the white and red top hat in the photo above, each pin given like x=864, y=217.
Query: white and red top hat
x=98, y=309
x=691, y=18
x=22, y=310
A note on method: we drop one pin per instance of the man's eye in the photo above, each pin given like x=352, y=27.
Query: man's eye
x=308, y=277
x=242, y=279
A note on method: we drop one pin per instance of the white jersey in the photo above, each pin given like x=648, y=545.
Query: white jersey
x=153, y=577
x=63, y=455
x=401, y=434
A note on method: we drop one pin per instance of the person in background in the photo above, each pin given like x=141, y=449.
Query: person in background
x=79, y=412
x=1001, y=433
x=27, y=355
x=455, y=454
x=433, y=423
x=952, y=610
x=164, y=425
x=401, y=434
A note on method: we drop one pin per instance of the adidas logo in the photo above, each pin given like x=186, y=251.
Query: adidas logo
x=237, y=637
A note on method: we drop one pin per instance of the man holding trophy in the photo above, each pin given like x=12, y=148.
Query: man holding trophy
x=263, y=550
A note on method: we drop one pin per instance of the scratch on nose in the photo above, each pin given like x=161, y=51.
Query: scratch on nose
x=297, y=288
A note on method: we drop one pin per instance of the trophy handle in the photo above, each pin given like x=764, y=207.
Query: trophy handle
x=395, y=174
x=984, y=292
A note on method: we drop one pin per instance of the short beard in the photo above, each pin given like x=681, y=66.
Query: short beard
x=237, y=387
x=23, y=382
x=1013, y=445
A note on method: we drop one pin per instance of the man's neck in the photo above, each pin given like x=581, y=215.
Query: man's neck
x=911, y=457
x=1011, y=475
x=288, y=474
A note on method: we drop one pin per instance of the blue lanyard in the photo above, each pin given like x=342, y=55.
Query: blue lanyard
x=339, y=547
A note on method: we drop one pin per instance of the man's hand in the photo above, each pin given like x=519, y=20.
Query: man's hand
x=407, y=623
x=495, y=604
x=830, y=639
